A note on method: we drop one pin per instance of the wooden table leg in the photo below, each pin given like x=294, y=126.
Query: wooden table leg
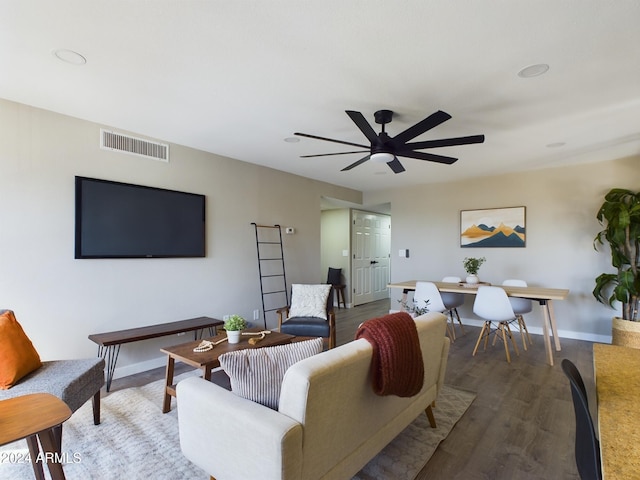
x=166, y=405
x=554, y=327
x=207, y=373
x=51, y=454
x=403, y=299
x=34, y=453
x=546, y=327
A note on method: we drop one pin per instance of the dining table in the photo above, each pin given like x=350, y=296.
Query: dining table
x=617, y=378
x=544, y=296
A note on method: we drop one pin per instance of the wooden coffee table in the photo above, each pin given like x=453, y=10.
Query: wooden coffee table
x=206, y=361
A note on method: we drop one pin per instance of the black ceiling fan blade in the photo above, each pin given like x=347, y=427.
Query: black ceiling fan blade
x=444, y=142
x=363, y=125
x=329, y=154
x=419, y=128
x=396, y=166
x=315, y=137
x=355, y=164
x=431, y=157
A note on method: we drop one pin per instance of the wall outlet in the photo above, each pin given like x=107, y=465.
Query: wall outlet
x=256, y=314
x=225, y=317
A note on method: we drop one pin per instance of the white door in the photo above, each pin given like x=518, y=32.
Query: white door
x=371, y=251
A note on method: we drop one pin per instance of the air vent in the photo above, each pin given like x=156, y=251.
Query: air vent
x=134, y=146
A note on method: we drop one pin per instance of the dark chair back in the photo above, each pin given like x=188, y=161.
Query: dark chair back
x=587, y=445
x=334, y=277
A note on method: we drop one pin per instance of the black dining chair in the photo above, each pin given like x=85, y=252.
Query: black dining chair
x=587, y=445
x=334, y=278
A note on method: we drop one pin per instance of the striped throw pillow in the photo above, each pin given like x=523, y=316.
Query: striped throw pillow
x=256, y=374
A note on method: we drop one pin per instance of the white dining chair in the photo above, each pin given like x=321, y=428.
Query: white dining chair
x=452, y=301
x=520, y=307
x=492, y=304
x=427, y=293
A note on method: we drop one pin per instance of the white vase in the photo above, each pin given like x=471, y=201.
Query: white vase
x=472, y=279
x=233, y=336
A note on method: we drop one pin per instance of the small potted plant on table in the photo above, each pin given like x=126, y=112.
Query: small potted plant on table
x=234, y=326
x=471, y=266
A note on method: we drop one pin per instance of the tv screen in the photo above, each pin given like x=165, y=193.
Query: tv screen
x=120, y=220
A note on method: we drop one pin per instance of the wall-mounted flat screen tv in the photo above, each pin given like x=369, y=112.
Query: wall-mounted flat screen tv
x=120, y=220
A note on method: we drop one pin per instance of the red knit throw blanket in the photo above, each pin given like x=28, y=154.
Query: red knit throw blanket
x=396, y=363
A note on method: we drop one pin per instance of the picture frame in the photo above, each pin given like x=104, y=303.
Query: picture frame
x=493, y=228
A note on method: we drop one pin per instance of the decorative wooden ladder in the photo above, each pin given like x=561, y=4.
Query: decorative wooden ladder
x=273, y=279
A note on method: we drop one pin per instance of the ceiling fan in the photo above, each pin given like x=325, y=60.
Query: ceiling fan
x=387, y=149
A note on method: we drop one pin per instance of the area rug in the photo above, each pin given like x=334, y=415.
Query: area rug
x=136, y=441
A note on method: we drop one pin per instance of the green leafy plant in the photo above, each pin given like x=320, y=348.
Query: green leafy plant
x=414, y=307
x=235, y=322
x=620, y=215
x=472, y=265
x=421, y=310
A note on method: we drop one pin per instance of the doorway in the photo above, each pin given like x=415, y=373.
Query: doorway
x=370, y=256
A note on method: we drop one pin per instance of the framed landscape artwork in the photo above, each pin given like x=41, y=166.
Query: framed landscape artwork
x=493, y=227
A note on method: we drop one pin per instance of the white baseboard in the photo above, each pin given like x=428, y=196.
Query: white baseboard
x=336, y=307
x=589, y=337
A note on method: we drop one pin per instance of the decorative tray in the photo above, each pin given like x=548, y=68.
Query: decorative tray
x=473, y=285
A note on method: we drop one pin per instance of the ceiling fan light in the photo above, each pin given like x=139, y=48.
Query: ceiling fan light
x=382, y=157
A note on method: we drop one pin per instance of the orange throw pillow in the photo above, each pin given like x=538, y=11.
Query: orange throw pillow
x=17, y=355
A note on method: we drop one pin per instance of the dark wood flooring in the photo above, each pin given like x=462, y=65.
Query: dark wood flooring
x=521, y=424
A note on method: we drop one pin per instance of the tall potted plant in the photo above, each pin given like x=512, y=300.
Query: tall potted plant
x=620, y=216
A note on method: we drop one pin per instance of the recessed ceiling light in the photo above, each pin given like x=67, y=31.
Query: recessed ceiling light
x=556, y=145
x=533, y=70
x=292, y=139
x=69, y=56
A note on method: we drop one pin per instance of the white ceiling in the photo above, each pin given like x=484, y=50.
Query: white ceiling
x=238, y=77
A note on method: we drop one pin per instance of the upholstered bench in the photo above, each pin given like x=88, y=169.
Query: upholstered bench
x=22, y=372
x=72, y=381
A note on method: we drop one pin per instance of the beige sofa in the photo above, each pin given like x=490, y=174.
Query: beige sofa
x=329, y=423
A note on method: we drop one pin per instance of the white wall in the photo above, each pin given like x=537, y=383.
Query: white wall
x=60, y=300
x=561, y=205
